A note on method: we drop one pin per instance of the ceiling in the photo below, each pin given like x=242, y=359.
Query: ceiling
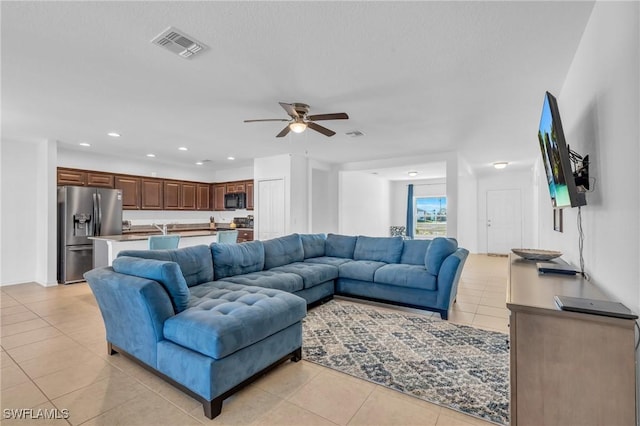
x=415, y=77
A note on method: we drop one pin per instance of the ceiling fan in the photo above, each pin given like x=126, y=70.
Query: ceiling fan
x=300, y=120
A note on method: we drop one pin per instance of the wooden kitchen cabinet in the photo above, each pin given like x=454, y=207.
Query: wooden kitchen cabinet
x=219, y=190
x=130, y=187
x=249, y=190
x=188, y=195
x=151, y=191
x=235, y=187
x=102, y=180
x=71, y=177
x=203, y=197
x=245, y=235
x=171, y=193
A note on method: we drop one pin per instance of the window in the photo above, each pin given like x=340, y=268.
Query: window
x=431, y=217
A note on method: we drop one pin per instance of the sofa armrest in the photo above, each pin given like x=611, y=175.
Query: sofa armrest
x=448, y=278
x=134, y=310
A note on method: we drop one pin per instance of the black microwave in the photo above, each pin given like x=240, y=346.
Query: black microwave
x=235, y=200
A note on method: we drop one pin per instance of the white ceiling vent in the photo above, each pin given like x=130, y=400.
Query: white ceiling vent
x=354, y=133
x=178, y=42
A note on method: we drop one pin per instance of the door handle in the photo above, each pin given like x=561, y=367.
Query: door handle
x=80, y=248
x=99, y=214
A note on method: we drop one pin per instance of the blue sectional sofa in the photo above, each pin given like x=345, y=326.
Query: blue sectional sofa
x=211, y=319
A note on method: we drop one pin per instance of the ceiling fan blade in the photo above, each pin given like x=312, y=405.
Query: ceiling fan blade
x=334, y=116
x=319, y=128
x=283, y=132
x=290, y=109
x=266, y=119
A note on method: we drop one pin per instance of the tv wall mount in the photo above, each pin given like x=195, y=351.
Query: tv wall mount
x=580, y=168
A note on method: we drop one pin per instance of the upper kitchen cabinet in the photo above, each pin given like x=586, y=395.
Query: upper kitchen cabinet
x=77, y=177
x=203, y=197
x=151, y=194
x=102, y=180
x=188, y=195
x=172, y=195
x=130, y=187
x=72, y=177
x=235, y=187
x=180, y=195
x=249, y=190
x=218, y=196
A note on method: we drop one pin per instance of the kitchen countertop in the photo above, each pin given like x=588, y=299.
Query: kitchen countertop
x=146, y=235
x=178, y=228
x=139, y=237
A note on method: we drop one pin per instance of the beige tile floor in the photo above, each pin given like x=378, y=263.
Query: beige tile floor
x=53, y=355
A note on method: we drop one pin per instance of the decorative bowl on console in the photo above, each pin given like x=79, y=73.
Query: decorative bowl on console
x=536, y=254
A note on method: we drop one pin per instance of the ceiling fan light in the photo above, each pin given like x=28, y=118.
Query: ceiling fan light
x=298, y=126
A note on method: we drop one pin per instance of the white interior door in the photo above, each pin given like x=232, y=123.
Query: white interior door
x=504, y=221
x=270, y=221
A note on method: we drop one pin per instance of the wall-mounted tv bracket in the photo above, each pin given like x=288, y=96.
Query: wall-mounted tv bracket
x=580, y=166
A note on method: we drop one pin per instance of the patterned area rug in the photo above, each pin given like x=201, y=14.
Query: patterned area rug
x=455, y=366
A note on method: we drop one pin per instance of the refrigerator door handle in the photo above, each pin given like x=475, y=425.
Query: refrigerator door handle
x=94, y=231
x=99, y=214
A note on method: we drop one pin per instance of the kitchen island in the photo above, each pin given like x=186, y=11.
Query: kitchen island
x=106, y=248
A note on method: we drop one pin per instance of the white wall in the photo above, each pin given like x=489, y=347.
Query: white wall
x=506, y=179
x=467, y=207
x=364, y=204
x=299, y=215
x=20, y=219
x=599, y=106
x=47, y=224
x=323, y=197
x=229, y=175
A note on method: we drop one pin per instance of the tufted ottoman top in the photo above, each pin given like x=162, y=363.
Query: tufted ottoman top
x=223, y=318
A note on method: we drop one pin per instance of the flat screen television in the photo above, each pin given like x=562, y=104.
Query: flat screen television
x=556, y=158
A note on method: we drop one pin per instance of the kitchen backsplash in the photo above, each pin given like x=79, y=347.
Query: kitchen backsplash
x=147, y=217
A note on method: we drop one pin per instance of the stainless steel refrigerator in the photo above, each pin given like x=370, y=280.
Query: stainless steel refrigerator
x=82, y=213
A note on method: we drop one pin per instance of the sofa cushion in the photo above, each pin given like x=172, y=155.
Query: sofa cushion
x=413, y=276
x=362, y=270
x=439, y=249
x=414, y=252
x=195, y=262
x=313, y=244
x=282, y=251
x=227, y=317
x=340, y=246
x=328, y=260
x=269, y=279
x=379, y=249
x=312, y=273
x=166, y=273
x=237, y=259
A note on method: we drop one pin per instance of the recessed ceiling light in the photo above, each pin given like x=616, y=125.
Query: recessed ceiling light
x=231, y=158
x=413, y=174
x=500, y=164
x=183, y=148
x=114, y=134
x=151, y=155
x=199, y=163
x=84, y=144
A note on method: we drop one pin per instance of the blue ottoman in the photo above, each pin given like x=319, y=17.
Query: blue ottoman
x=229, y=333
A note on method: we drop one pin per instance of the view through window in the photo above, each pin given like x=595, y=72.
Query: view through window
x=431, y=217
